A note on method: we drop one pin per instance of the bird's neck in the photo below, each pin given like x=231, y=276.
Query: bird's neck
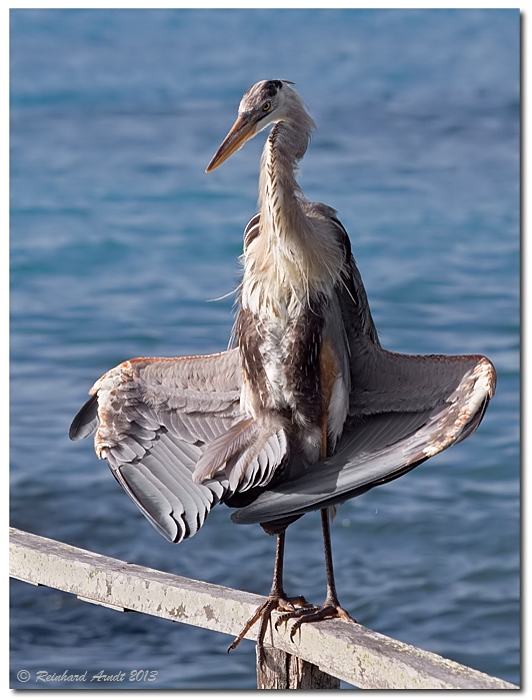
x=276, y=274
x=292, y=259
x=280, y=197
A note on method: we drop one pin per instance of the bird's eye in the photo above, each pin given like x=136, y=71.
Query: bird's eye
x=266, y=106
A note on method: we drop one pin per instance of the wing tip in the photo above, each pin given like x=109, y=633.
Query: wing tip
x=485, y=372
x=470, y=400
x=85, y=421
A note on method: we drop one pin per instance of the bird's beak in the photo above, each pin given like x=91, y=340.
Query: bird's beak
x=241, y=131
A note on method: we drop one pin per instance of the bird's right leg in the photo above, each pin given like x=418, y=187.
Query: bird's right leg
x=277, y=600
x=331, y=608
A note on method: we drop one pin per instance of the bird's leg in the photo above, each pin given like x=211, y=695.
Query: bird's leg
x=277, y=599
x=332, y=598
x=331, y=608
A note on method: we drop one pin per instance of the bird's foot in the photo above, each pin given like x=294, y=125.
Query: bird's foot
x=291, y=607
x=329, y=610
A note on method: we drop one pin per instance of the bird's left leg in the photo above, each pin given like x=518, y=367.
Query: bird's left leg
x=277, y=599
x=331, y=608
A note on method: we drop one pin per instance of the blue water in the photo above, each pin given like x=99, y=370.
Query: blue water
x=120, y=242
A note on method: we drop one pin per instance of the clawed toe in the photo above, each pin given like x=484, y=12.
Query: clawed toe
x=296, y=613
x=327, y=611
x=291, y=607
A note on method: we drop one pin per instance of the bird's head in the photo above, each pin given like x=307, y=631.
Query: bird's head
x=263, y=103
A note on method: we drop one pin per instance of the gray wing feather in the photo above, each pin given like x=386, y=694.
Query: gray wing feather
x=379, y=446
x=86, y=420
x=155, y=417
x=139, y=484
x=245, y=456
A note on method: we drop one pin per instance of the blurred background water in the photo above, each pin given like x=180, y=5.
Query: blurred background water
x=119, y=242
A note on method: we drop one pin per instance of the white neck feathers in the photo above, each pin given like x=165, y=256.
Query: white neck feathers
x=295, y=255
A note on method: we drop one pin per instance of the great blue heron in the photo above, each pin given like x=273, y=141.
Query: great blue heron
x=307, y=410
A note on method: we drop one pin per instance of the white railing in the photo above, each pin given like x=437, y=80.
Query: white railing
x=319, y=656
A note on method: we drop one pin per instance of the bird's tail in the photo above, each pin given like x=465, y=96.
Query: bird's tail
x=246, y=456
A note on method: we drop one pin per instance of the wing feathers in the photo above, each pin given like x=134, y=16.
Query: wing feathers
x=146, y=493
x=154, y=418
x=85, y=421
x=380, y=447
x=247, y=455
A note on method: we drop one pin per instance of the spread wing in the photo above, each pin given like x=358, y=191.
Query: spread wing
x=175, y=438
x=440, y=402
x=155, y=417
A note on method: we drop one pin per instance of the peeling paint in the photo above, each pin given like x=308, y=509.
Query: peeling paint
x=209, y=614
x=178, y=613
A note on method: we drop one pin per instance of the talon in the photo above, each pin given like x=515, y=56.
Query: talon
x=297, y=624
x=234, y=644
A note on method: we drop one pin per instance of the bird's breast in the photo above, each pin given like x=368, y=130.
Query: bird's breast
x=291, y=367
x=281, y=279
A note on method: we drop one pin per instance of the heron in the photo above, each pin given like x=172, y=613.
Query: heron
x=306, y=409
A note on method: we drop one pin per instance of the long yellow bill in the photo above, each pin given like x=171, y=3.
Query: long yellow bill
x=240, y=132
